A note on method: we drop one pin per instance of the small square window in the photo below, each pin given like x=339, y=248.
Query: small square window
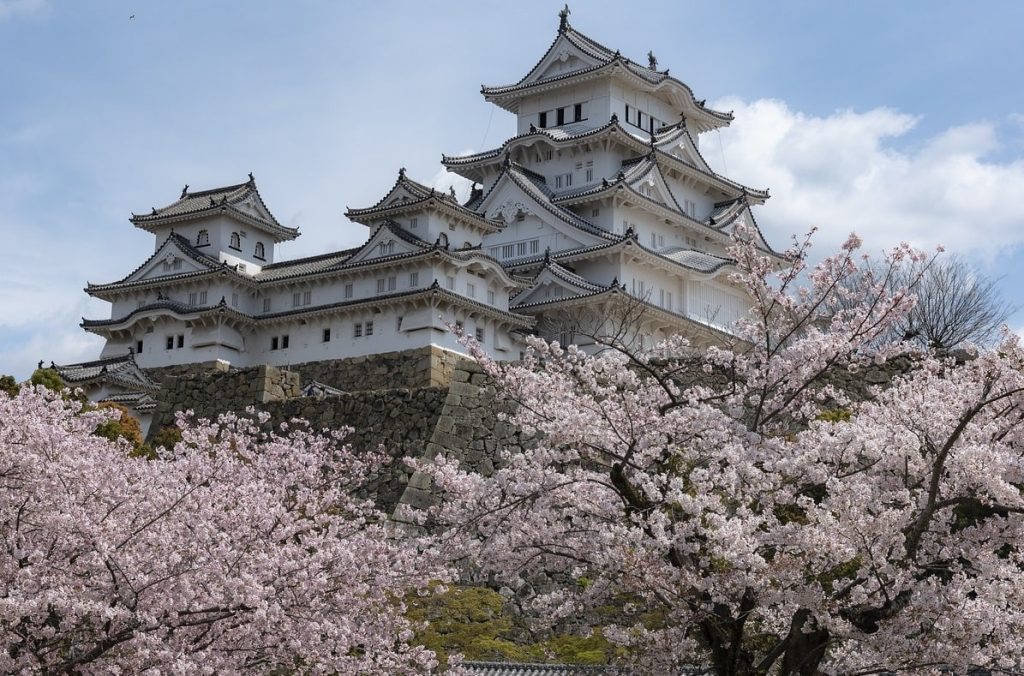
x=327, y=335
x=357, y=330
x=369, y=328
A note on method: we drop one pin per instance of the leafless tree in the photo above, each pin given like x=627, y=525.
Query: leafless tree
x=956, y=305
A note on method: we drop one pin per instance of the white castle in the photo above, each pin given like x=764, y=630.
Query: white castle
x=601, y=200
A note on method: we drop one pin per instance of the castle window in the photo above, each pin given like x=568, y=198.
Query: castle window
x=348, y=291
x=577, y=112
x=520, y=217
x=296, y=299
x=560, y=113
x=273, y=343
x=369, y=328
x=170, y=342
x=138, y=347
x=414, y=280
x=327, y=335
x=357, y=330
x=181, y=340
x=203, y=238
x=590, y=170
x=259, y=250
x=236, y=242
x=192, y=297
x=534, y=246
x=176, y=264
x=480, y=336
x=470, y=290
x=307, y=297
x=202, y=298
x=380, y=285
x=234, y=300
x=266, y=305
x=490, y=298
x=449, y=283
x=392, y=283
x=543, y=121
x=629, y=114
x=414, y=222
x=284, y=342
x=549, y=154
x=508, y=250
x=387, y=247
x=521, y=249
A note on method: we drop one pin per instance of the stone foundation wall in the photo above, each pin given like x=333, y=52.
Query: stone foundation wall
x=423, y=367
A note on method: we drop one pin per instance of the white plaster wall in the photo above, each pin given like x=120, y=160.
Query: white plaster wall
x=593, y=95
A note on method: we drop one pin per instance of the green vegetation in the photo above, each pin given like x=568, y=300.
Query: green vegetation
x=48, y=378
x=474, y=621
x=9, y=386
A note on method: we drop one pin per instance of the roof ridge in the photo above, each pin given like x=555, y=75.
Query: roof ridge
x=210, y=191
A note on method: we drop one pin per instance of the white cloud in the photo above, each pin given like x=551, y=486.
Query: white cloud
x=12, y=8
x=444, y=180
x=844, y=173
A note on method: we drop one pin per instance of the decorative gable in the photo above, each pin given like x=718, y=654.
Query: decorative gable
x=388, y=240
x=174, y=257
x=563, y=57
x=554, y=282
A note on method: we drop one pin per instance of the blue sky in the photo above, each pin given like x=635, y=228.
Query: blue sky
x=898, y=120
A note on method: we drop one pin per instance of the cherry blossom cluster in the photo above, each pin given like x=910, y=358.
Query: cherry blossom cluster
x=743, y=511
x=238, y=551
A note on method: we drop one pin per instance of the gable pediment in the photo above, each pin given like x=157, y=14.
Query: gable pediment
x=252, y=206
x=387, y=240
x=507, y=202
x=170, y=259
x=652, y=185
x=551, y=285
x=563, y=57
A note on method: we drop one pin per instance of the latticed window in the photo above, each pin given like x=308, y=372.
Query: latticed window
x=259, y=250
x=203, y=238
x=236, y=241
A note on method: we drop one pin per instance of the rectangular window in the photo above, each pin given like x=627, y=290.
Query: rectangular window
x=414, y=222
x=661, y=297
x=266, y=305
x=494, y=252
x=543, y=121
x=392, y=283
x=274, y=343
x=369, y=328
x=534, y=246
x=577, y=112
x=471, y=289
x=357, y=330
x=654, y=241
x=568, y=180
x=521, y=249
x=181, y=341
x=138, y=347
x=192, y=297
x=284, y=342
x=640, y=118
x=327, y=335
x=558, y=181
x=296, y=299
x=594, y=213
x=202, y=298
x=661, y=241
x=507, y=251
x=177, y=264
x=380, y=285
x=170, y=342
x=414, y=280
x=560, y=116
x=449, y=283
x=480, y=336
x=668, y=297
x=549, y=154
x=307, y=297
x=691, y=208
x=490, y=298
x=643, y=288
x=590, y=175
x=629, y=114
x=234, y=300
x=348, y=291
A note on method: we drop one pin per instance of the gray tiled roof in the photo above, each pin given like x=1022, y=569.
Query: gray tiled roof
x=122, y=371
x=229, y=197
x=533, y=669
x=698, y=260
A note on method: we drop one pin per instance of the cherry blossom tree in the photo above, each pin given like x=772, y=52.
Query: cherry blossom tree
x=237, y=551
x=742, y=510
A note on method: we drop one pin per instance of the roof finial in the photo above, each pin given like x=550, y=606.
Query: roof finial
x=154, y=211
x=615, y=117
x=533, y=128
x=401, y=172
x=508, y=159
x=451, y=191
x=184, y=191
x=212, y=201
x=563, y=18
x=652, y=60
x=251, y=179
x=40, y=364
